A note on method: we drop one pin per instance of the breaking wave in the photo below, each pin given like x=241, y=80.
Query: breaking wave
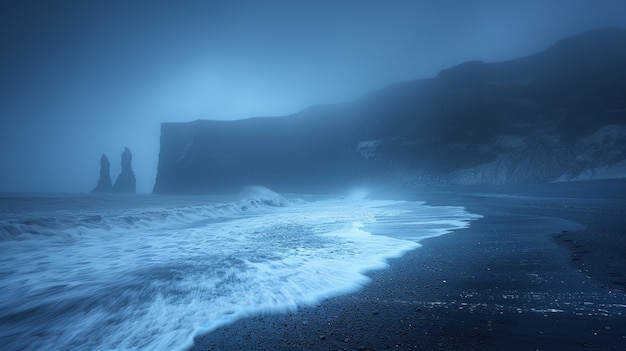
x=60, y=223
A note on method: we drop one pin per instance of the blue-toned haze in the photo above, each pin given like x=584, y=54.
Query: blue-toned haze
x=81, y=78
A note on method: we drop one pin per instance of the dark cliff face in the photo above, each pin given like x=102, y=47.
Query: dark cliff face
x=279, y=152
x=556, y=115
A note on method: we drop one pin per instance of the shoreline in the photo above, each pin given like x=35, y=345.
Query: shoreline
x=540, y=271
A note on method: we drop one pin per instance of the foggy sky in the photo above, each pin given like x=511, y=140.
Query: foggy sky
x=82, y=78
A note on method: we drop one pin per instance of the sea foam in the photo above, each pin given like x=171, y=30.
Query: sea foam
x=156, y=273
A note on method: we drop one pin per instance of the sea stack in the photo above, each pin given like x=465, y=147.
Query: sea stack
x=126, y=182
x=104, y=183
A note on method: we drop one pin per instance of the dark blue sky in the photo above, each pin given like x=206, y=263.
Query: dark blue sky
x=81, y=78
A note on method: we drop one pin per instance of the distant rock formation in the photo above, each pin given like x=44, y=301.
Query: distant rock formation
x=557, y=115
x=125, y=182
x=104, y=183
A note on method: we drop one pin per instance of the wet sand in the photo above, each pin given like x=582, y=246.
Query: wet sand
x=544, y=269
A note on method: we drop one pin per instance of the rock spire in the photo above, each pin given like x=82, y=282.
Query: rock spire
x=125, y=182
x=104, y=183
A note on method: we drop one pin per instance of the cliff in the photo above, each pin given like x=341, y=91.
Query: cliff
x=279, y=152
x=556, y=115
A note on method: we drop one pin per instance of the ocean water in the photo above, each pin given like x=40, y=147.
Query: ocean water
x=85, y=272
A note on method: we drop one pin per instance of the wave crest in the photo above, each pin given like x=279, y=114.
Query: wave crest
x=261, y=196
x=67, y=224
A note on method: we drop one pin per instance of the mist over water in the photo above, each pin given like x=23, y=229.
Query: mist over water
x=149, y=273
x=83, y=78
x=404, y=94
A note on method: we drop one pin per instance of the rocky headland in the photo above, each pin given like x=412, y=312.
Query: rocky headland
x=557, y=115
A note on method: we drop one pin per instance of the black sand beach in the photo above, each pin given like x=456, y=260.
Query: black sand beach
x=544, y=269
